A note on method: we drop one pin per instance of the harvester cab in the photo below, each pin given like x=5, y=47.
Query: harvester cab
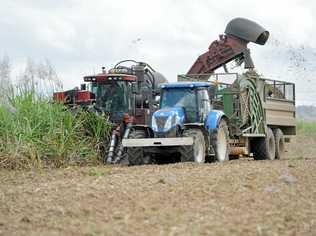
x=113, y=92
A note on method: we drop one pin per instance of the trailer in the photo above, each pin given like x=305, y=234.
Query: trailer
x=255, y=107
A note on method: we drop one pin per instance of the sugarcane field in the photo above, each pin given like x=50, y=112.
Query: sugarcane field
x=158, y=118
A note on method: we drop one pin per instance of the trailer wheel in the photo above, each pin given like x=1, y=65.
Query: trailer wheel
x=196, y=152
x=135, y=155
x=220, y=142
x=279, y=143
x=264, y=148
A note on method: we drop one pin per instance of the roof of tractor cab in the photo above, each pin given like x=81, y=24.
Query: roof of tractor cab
x=186, y=85
x=109, y=77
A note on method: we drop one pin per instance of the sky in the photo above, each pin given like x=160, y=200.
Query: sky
x=79, y=37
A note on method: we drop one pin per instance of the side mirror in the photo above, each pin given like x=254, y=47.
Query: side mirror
x=83, y=87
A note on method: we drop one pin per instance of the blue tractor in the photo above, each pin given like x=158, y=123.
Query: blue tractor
x=185, y=126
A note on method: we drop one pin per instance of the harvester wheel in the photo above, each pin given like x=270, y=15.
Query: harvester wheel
x=196, y=152
x=220, y=142
x=264, y=148
x=279, y=143
x=135, y=155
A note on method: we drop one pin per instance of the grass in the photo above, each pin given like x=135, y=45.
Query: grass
x=306, y=127
x=41, y=133
x=302, y=145
x=35, y=132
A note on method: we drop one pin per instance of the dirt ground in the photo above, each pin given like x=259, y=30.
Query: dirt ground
x=240, y=197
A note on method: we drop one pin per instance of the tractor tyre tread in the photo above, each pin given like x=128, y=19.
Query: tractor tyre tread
x=135, y=155
x=260, y=147
x=187, y=152
x=215, y=141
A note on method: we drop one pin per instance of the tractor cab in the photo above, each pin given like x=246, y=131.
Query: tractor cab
x=182, y=103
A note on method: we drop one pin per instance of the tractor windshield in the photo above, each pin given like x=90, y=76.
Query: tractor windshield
x=112, y=97
x=180, y=97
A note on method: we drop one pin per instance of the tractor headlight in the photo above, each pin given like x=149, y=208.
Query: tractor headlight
x=168, y=124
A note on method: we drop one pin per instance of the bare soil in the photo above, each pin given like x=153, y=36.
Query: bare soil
x=240, y=197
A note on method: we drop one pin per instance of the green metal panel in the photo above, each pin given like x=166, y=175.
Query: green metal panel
x=227, y=102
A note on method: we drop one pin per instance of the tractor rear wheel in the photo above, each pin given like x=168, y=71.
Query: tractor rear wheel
x=220, y=142
x=135, y=155
x=264, y=148
x=196, y=152
x=279, y=143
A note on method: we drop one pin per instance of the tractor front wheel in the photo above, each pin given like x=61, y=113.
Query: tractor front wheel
x=136, y=155
x=196, y=152
x=220, y=142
